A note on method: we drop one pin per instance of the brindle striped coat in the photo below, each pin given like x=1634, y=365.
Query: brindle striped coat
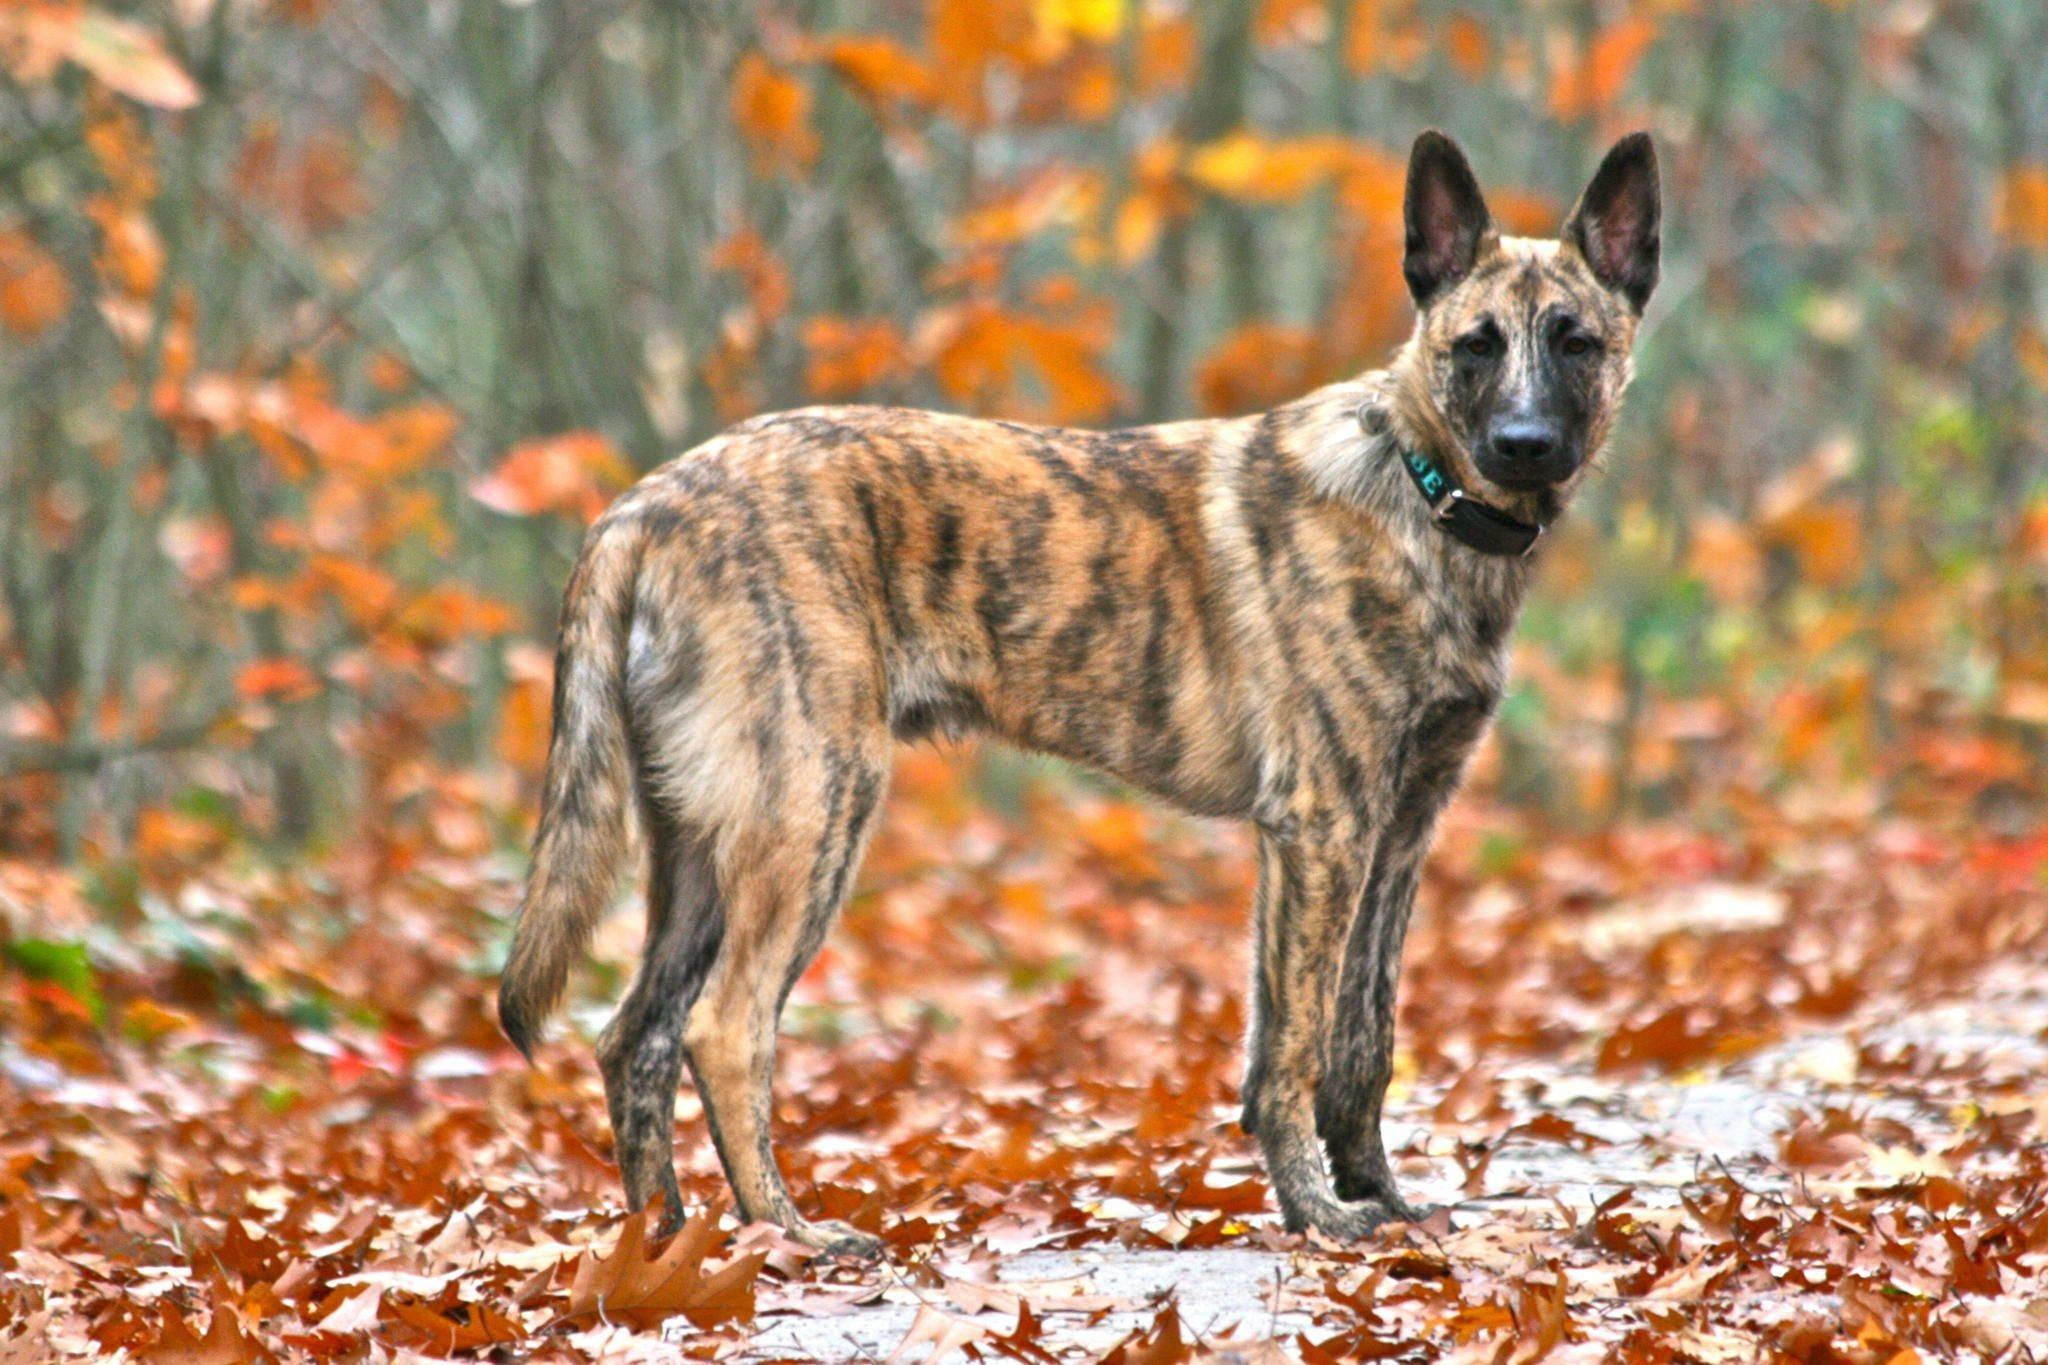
x=1253, y=618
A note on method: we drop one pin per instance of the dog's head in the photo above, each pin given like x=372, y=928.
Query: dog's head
x=1525, y=344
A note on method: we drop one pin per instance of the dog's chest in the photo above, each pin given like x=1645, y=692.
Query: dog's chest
x=1388, y=664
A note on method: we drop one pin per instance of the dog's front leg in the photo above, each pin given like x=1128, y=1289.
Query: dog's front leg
x=1309, y=890
x=1353, y=1093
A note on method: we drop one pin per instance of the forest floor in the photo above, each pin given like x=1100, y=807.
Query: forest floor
x=1585, y=1167
x=1776, y=1087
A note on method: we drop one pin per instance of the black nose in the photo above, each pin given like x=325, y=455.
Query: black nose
x=1524, y=442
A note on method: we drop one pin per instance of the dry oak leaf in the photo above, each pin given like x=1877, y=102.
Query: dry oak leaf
x=1159, y=1344
x=485, y=1326
x=223, y=1343
x=354, y=1313
x=941, y=1332
x=630, y=1287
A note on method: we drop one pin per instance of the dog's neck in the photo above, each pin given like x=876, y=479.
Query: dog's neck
x=1358, y=465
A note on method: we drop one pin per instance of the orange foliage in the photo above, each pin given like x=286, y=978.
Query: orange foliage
x=131, y=254
x=632, y=1285
x=1589, y=82
x=968, y=36
x=1469, y=47
x=762, y=272
x=980, y=353
x=1258, y=365
x=1523, y=214
x=34, y=292
x=2023, y=205
x=121, y=149
x=1385, y=35
x=344, y=1181
x=773, y=111
x=1245, y=166
x=1040, y=203
x=852, y=355
x=879, y=69
x=522, y=739
x=1166, y=53
x=388, y=373
x=577, y=472
x=312, y=184
x=276, y=679
x=1727, y=558
x=1283, y=21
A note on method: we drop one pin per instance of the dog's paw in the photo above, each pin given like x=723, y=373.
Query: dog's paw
x=1393, y=1208
x=1353, y=1221
x=1380, y=1191
x=1400, y=1210
x=837, y=1239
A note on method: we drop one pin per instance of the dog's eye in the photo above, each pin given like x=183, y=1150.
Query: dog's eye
x=1577, y=345
x=1476, y=347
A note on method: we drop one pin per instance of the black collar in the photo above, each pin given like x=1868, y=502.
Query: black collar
x=1463, y=518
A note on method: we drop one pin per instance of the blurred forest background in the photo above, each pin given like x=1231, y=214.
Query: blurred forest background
x=327, y=325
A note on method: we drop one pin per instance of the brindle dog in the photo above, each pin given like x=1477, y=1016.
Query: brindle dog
x=1297, y=618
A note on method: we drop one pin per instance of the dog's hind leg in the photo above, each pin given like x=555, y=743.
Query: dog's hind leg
x=784, y=886
x=641, y=1052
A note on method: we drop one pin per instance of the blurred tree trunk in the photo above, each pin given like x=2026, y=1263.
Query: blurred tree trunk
x=1853, y=277
x=1330, y=229
x=1215, y=106
x=2009, y=394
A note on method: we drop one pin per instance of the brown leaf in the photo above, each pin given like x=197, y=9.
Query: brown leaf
x=223, y=1343
x=1159, y=1344
x=1826, y=1143
x=354, y=1314
x=482, y=1326
x=632, y=1287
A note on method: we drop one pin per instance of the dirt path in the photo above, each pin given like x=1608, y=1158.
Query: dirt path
x=1600, y=1151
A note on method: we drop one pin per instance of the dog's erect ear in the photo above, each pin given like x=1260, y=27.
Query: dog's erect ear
x=1617, y=225
x=1447, y=220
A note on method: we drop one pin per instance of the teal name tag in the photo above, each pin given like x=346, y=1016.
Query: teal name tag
x=1427, y=476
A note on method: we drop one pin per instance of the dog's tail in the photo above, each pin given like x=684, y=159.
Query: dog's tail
x=582, y=837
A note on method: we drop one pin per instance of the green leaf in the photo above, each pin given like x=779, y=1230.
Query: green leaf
x=64, y=965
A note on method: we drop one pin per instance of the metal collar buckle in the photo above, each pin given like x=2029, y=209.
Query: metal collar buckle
x=1441, y=508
